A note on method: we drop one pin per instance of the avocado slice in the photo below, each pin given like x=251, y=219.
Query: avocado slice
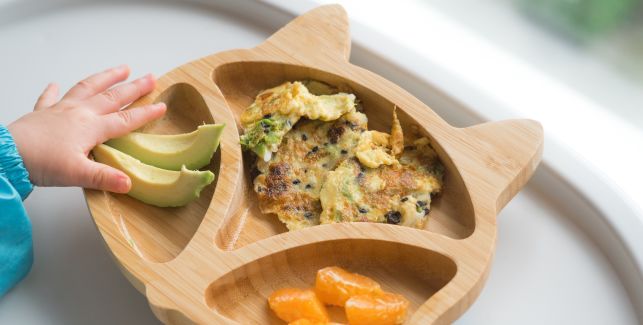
x=152, y=185
x=194, y=149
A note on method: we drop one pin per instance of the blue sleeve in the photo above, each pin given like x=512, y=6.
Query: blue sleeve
x=16, y=249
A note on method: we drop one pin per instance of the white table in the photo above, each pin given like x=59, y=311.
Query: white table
x=547, y=268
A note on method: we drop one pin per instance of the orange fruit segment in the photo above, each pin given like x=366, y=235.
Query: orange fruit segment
x=305, y=321
x=335, y=285
x=292, y=304
x=376, y=309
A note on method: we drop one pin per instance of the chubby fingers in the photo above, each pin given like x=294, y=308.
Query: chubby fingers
x=48, y=97
x=114, y=99
x=102, y=177
x=125, y=121
x=97, y=83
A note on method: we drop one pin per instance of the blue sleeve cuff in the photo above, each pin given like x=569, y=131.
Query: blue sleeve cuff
x=16, y=246
x=11, y=164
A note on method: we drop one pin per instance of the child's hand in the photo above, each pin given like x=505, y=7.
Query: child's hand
x=56, y=138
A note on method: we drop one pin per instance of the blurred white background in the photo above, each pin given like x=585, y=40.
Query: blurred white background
x=578, y=71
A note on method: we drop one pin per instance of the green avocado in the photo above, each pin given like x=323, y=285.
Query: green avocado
x=152, y=185
x=194, y=149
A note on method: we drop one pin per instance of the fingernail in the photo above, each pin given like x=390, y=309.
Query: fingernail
x=145, y=79
x=123, y=184
x=159, y=106
x=122, y=67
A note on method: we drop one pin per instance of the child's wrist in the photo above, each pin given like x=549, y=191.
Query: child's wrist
x=12, y=165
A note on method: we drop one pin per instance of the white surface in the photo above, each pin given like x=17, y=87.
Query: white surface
x=547, y=270
x=516, y=86
x=608, y=69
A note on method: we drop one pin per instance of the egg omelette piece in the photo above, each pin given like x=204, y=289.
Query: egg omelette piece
x=276, y=110
x=289, y=184
x=395, y=194
x=376, y=148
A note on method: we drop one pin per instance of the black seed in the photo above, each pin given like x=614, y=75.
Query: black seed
x=344, y=152
x=363, y=210
x=362, y=168
x=360, y=175
x=404, y=199
x=325, y=143
x=296, y=181
x=304, y=137
x=393, y=217
x=308, y=186
x=324, y=165
x=308, y=215
x=421, y=203
x=351, y=125
x=313, y=150
x=426, y=211
x=305, y=171
x=267, y=115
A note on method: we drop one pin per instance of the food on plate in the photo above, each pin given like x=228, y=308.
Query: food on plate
x=397, y=136
x=334, y=285
x=397, y=194
x=276, y=110
x=363, y=299
x=382, y=308
x=325, y=166
x=305, y=321
x=293, y=304
x=192, y=150
x=153, y=185
x=289, y=184
x=373, y=149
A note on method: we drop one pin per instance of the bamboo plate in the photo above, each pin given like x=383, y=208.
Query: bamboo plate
x=217, y=259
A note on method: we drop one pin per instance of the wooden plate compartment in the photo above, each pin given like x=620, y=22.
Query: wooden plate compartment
x=240, y=82
x=160, y=234
x=419, y=273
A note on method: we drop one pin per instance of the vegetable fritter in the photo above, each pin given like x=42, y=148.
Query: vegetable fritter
x=318, y=162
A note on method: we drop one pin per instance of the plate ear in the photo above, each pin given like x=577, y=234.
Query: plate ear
x=322, y=33
x=504, y=156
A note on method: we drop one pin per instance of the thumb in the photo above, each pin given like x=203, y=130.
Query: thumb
x=102, y=177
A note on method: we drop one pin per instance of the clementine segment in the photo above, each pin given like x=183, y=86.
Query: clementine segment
x=305, y=321
x=376, y=309
x=335, y=285
x=292, y=304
